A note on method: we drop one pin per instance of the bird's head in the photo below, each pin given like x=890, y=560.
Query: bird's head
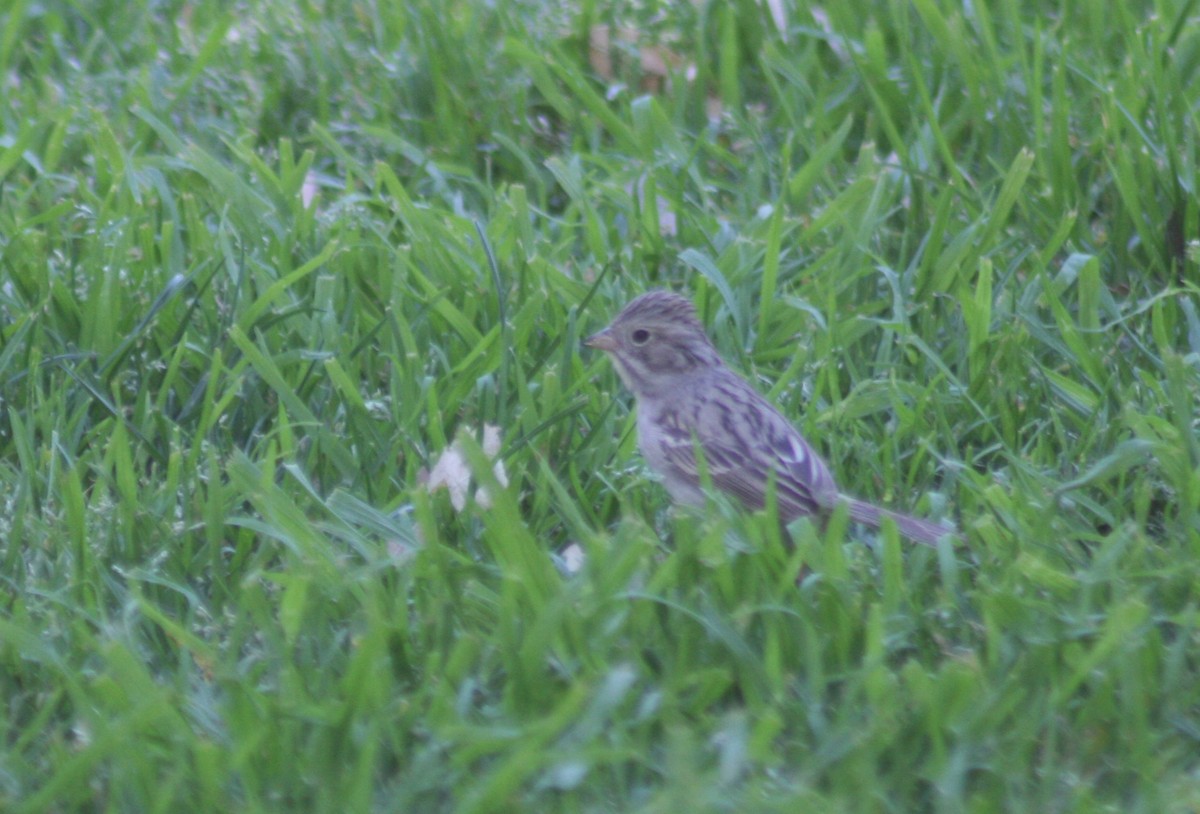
x=654, y=341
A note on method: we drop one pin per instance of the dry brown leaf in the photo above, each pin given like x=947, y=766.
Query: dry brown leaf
x=598, y=52
x=656, y=61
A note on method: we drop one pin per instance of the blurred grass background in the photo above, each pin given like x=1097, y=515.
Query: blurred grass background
x=262, y=262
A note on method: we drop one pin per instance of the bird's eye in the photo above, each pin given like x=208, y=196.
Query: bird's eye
x=640, y=336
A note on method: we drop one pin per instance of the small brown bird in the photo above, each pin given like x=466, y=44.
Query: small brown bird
x=686, y=395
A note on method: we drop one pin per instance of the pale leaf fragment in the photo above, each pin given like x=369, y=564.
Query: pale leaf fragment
x=454, y=473
x=451, y=471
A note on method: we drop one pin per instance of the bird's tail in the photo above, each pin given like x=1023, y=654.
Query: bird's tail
x=919, y=531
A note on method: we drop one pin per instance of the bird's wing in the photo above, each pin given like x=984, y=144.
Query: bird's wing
x=741, y=454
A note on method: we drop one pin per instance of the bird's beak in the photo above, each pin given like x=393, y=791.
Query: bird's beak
x=601, y=341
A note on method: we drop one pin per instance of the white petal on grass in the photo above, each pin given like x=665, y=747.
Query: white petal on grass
x=452, y=471
x=668, y=225
x=491, y=448
x=481, y=494
x=835, y=41
x=573, y=558
x=491, y=440
x=779, y=17
x=308, y=189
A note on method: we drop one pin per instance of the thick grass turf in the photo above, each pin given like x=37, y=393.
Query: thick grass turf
x=261, y=264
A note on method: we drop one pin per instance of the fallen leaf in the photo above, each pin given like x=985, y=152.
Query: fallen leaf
x=656, y=61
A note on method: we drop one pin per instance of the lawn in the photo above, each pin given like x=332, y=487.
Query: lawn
x=271, y=274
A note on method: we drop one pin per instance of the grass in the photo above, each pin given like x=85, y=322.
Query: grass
x=261, y=265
